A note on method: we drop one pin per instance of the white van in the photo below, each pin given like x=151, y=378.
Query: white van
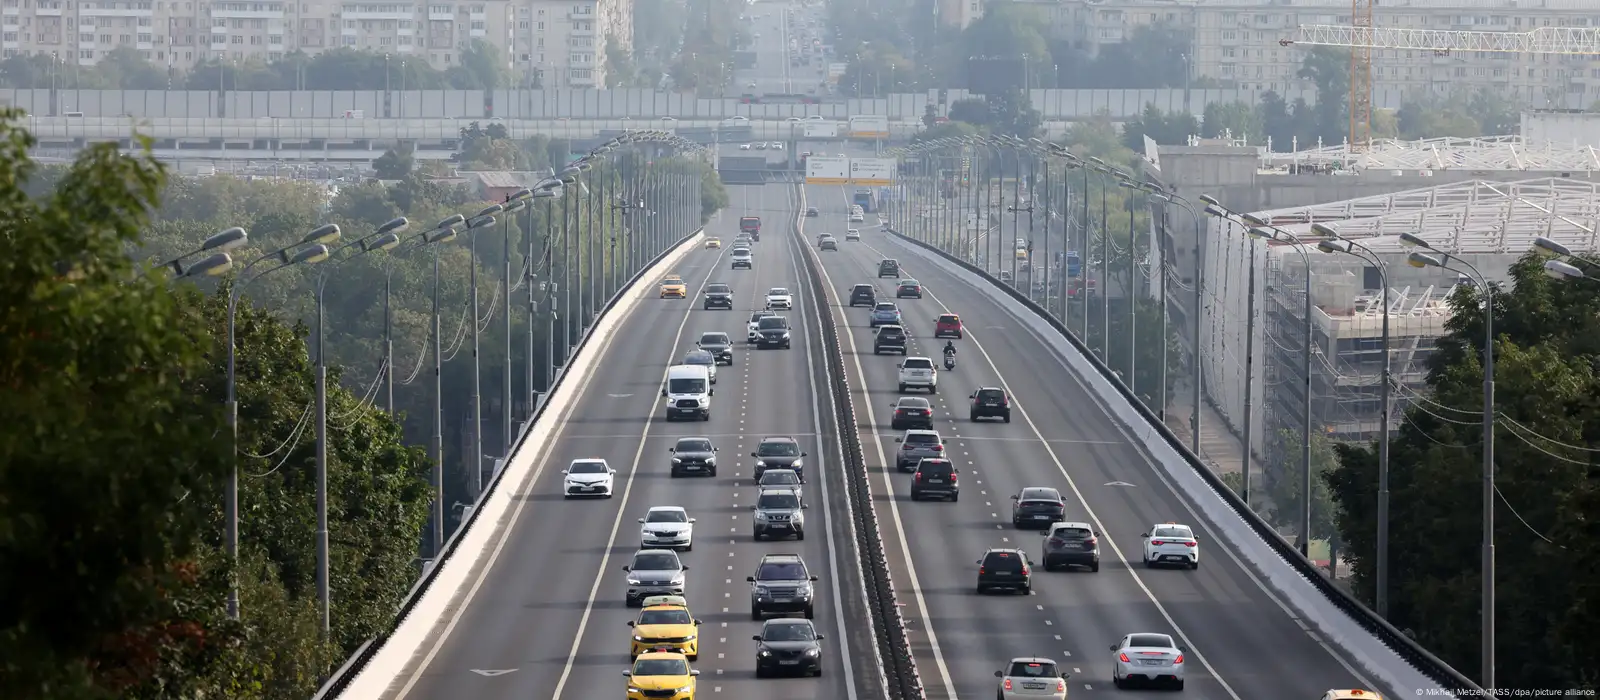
x=688, y=391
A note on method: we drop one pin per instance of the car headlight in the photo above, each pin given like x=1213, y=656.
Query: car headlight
x=677, y=580
x=798, y=463
x=632, y=689
x=632, y=581
x=690, y=637
x=813, y=652
x=638, y=638
x=761, y=463
x=765, y=653
x=675, y=460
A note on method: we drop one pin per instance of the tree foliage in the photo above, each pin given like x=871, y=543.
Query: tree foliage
x=1548, y=488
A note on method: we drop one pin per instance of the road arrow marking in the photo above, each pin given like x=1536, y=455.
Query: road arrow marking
x=1119, y=483
x=619, y=396
x=493, y=672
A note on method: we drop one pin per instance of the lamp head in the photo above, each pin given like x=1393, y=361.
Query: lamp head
x=514, y=205
x=324, y=234
x=1420, y=260
x=1562, y=270
x=443, y=235
x=225, y=240
x=1254, y=220
x=1213, y=201
x=311, y=255
x=1333, y=245
x=490, y=210
x=396, y=225
x=385, y=242
x=1260, y=232
x=1549, y=246
x=523, y=193
x=1411, y=240
x=480, y=221
x=450, y=220
x=1324, y=230
x=212, y=266
x=1214, y=210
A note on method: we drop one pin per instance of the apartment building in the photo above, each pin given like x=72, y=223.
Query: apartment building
x=959, y=14
x=560, y=41
x=1236, y=41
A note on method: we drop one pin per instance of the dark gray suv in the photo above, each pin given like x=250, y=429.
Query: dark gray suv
x=788, y=646
x=693, y=455
x=781, y=584
x=779, y=452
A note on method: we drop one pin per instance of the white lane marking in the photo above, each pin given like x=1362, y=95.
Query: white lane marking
x=516, y=517
x=816, y=418
x=627, y=491
x=1073, y=484
x=1183, y=501
x=889, y=491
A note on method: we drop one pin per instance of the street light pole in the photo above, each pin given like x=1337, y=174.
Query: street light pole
x=443, y=233
x=484, y=217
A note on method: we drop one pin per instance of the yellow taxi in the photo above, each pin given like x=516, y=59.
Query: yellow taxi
x=1351, y=695
x=713, y=243
x=672, y=287
x=661, y=675
x=665, y=623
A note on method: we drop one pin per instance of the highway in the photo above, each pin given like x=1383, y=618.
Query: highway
x=1243, y=643
x=545, y=617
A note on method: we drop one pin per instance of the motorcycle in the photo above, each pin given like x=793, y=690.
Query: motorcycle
x=949, y=362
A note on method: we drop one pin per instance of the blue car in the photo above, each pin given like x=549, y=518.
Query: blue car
x=885, y=314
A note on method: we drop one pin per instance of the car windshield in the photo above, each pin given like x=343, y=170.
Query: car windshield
x=686, y=386
x=778, y=291
x=777, y=501
x=660, y=667
x=991, y=394
x=740, y=251
x=888, y=263
x=1171, y=532
x=891, y=331
x=781, y=571
x=1072, y=533
x=948, y=318
x=698, y=357
x=863, y=289
x=935, y=467
x=778, y=448
x=587, y=468
x=655, y=562
x=666, y=516
x=922, y=438
x=1150, y=640
x=1003, y=561
x=918, y=363
x=770, y=322
x=1032, y=669
x=914, y=403
x=719, y=289
x=673, y=616
x=908, y=283
x=884, y=306
x=788, y=632
x=694, y=445
x=1040, y=495
x=714, y=339
x=779, y=477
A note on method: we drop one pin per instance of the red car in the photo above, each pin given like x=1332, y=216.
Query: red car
x=947, y=326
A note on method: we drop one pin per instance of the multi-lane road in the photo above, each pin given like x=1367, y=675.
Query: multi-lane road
x=1243, y=643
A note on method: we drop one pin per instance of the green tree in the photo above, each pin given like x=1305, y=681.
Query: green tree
x=1167, y=128
x=1154, y=56
x=1009, y=30
x=124, y=68
x=395, y=163
x=103, y=445
x=482, y=67
x=1328, y=68
x=1548, y=341
x=1462, y=113
x=1283, y=481
x=1239, y=120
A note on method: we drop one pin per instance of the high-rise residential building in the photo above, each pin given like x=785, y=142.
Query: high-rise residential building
x=1236, y=41
x=562, y=42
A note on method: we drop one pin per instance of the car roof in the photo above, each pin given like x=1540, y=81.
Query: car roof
x=663, y=655
x=890, y=326
x=887, y=260
x=589, y=460
x=1004, y=550
x=666, y=601
x=697, y=354
x=685, y=438
x=788, y=621
x=706, y=333
x=991, y=388
x=908, y=280
x=863, y=286
x=935, y=462
x=779, y=471
x=781, y=556
x=887, y=305
x=776, y=489
x=778, y=438
x=916, y=357
x=1031, y=660
x=664, y=509
x=934, y=433
x=1040, y=492
x=1176, y=525
x=1081, y=526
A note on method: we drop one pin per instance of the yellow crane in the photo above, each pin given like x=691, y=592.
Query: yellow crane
x=1362, y=37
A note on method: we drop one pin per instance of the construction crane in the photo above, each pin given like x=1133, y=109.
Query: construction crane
x=1362, y=38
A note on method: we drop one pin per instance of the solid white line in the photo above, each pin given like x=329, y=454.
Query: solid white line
x=627, y=490
x=894, y=508
x=1072, y=484
x=816, y=418
x=505, y=534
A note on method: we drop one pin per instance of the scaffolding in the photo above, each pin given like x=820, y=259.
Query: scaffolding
x=1498, y=153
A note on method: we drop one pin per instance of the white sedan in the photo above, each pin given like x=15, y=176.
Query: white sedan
x=666, y=527
x=744, y=146
x=852, y=234
x=588, y=477
x=1032, y=678
x=1171, y=544
x=1147, y=657
x=779, y=298
x=857, y=218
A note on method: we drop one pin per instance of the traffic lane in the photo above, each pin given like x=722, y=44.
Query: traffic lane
x=1072, y=615
x=491, y=631
x=1228, y=616
x=724, y=552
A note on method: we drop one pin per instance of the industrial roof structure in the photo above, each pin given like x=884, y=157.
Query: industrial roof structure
x=1446, y=153
x=1462, y=218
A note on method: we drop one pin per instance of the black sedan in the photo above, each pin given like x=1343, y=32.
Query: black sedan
x=788, y=646
x=1037, y=508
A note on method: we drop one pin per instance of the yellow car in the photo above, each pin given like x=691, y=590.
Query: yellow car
x=673, y=287
x=665, y=623
x=713, y=243
x=661, y=675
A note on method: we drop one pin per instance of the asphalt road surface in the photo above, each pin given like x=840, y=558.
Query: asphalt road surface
x=1243, y=644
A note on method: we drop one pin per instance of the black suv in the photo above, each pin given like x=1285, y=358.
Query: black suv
x=888, y=268
x=788, y=646
x=773, y=332
x=693, y=455
x=719, y=296
x=863, y=295
x=1037, y=508
x=936, y=478
x=1071, y=544
x=719, y=345
x=990, y=402
x=778, y=453
x=1007, y=569
x=781, y=584
x=889, y=339
x=911, y=412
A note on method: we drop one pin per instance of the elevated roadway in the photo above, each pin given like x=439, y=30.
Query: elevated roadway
x=1243, y=642
x=544, y=616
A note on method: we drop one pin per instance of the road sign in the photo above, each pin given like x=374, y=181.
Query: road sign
x=827, y=170
x=872, y=171
x=820, y=130
x=869, y=126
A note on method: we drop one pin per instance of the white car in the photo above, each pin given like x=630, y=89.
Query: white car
x=666, y=527
x=744, y=146
x=1032, y=677
x=815, y=118
x=1171, y=544
x=736, y=121
x=752, y=329
x=857, y=218
x=777, y=146
x=852, y=234
x=779, y=298
x=918, y=373
x=588, y=477
x=793, y=119
x=741, y=258
x=1147, y=657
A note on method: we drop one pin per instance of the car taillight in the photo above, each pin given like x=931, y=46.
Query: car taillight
x=918, y=477
x=1024, y=571
x=1156, y=543
x=1008, y=685
x=1091, y=541
x=1061, y=686
x=910, y=446
x=1057, y=542
x=980, y=571
x=1123, y=658
x=954, y=475
x=1178, y=660
x=1188, y=544
x=938, y=448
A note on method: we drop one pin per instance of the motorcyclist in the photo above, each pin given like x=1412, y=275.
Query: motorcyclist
x=949, y=348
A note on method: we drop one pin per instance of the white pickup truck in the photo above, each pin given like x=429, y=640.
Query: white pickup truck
x=918, y=373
